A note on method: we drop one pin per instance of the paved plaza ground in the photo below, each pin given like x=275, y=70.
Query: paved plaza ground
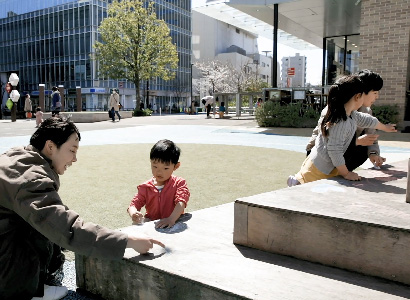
x=195, y=129
x=191, y=133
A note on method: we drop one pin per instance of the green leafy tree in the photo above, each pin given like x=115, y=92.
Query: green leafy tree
x=135, y=45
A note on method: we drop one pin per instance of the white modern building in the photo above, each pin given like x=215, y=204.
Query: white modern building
x=216, y=40
x=293, y=71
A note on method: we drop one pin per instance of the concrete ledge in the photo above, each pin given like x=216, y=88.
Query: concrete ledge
x=139, y=281
x=201, y=262
x=89, y=116
x=360, y=226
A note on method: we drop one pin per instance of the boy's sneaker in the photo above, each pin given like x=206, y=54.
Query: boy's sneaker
x=52, y=293
x=292, y=181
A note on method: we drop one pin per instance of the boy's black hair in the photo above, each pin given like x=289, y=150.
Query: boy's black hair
x=55, y=129
x=38, y=109
x=339, y=94
x=165, y=151
x=371, y=80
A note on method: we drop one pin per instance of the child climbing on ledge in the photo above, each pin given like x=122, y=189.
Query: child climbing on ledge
x=336, y=132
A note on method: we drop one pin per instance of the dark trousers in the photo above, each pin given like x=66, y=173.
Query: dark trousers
x=27, y=258
x=113, y=113
x=355, y=155
x=208, y=110
x=55, y=111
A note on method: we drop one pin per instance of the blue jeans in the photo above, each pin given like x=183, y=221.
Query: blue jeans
x=115, y=112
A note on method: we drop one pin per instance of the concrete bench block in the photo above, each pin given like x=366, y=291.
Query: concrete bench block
x=202, y=263
x=89, y=116
x=128, y=279
x=360, y=226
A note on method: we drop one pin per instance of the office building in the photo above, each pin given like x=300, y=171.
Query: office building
x=293, y=71
x=51, y=42
x=217, y=40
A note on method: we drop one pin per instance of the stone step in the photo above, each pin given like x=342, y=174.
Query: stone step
x=362, y=226
x=201, y=262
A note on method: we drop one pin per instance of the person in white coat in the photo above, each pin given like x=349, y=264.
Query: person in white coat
x=113, y=105
x=28, y=107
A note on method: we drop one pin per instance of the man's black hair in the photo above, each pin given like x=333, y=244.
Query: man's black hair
x=165, y=151
x=371, y=80
x=55, y=129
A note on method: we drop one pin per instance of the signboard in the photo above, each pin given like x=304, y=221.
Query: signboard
x=291, y=71
x=120, y=84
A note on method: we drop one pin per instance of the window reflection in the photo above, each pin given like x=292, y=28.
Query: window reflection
x=342, y=57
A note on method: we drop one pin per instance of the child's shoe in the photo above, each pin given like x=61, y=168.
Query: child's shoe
x=292, y=181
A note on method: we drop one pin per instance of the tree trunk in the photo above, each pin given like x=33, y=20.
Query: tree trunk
x=137, y=94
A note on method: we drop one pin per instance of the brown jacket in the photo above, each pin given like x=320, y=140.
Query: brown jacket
x=29, y=195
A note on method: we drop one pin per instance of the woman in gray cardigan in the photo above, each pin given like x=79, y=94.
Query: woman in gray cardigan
x=336, y=131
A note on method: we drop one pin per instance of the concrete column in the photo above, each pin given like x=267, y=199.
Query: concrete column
x=78, y=98
x=61, y=90
x=41, y=98
x=238, y=105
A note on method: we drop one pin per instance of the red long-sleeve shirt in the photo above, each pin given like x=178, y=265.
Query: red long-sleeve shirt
x=160, y=205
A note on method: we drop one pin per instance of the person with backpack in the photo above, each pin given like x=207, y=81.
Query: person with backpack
x=56, y=101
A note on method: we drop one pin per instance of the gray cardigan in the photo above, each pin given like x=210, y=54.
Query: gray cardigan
x=328, y=151
x=359, y=131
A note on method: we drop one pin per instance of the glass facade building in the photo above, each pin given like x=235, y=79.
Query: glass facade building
x=51, y=42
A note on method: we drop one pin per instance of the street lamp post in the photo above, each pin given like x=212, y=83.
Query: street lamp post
x=192, y=101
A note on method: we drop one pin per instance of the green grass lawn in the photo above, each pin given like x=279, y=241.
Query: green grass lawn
x=101, y=184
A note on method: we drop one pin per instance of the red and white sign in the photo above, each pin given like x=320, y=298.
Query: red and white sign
x=291, y=71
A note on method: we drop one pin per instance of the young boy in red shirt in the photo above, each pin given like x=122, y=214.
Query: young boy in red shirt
x=164, y=196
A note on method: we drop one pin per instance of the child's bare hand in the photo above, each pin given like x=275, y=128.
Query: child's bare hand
x=163, y=223
x=352, y=176
x=137, y=217
x=390, y=128
x=377, y=160
x=366, y=139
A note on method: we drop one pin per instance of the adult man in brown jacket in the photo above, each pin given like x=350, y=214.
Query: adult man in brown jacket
x=33, y=219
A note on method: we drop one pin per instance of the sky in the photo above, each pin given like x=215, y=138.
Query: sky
x=313, y=61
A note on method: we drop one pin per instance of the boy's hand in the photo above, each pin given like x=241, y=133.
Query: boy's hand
x=142, y=244
x=352, y=176
x=163, y=223
x=137, y=217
